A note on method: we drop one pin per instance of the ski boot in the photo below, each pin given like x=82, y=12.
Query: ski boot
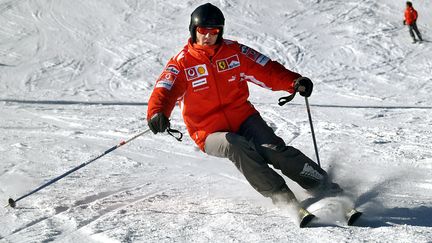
x=287, y=198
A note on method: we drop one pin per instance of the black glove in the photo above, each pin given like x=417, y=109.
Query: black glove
x=304, y=86
x=404, y=22
x=158, y=123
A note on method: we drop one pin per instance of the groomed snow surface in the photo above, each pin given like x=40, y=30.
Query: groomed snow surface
x=75, y=77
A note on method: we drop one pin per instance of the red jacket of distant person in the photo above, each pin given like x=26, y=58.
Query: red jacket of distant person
x=410, y=15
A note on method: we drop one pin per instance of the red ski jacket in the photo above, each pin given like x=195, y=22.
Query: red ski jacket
x=410, y=15
x=213, y=93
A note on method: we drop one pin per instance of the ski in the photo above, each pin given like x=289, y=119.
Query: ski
x=352, y=216
x=305, y=217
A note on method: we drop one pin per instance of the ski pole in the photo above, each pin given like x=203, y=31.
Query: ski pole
x=312, y=130
x=12, y=202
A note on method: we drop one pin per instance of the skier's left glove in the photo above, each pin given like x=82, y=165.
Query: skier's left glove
x=158, y=123
x=304, y=86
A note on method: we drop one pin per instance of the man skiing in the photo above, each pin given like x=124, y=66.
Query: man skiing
x=411, y=20
x=208, y=79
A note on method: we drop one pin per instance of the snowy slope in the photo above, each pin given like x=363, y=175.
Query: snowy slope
x=75, y=77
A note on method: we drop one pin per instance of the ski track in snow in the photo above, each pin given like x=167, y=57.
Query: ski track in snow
x=75, y=77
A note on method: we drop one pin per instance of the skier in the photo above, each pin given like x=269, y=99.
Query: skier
x=208, y=78
x=411, y=21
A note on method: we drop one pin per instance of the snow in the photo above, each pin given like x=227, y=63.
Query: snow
x=75, y=77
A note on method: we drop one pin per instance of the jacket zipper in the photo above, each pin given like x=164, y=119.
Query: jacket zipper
x=217, y=88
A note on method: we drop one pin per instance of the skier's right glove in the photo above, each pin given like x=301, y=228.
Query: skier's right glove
x=158, y=123
x=304, y=86
x=404, y=22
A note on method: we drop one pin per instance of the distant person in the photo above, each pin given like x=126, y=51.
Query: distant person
x=411, y=20
x=208, y=78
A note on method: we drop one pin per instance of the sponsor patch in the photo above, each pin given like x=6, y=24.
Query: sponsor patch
x=172, y=69
x=199, y=82
x=166, y=81
x=262, y=60
x=197, y=71
x=222, y=65
x=244, y=49
x=164, y=84
x=228, y=63
x=254, y=55
x=233, y=62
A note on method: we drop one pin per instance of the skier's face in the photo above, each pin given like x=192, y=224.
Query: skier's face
x=206, y=36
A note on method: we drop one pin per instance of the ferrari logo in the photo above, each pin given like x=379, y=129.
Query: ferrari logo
x=222, y=65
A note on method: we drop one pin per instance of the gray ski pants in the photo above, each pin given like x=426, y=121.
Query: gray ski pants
x=413, y=28
x=254, y=147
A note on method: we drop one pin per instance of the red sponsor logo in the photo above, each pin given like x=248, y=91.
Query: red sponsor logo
x=166, y=80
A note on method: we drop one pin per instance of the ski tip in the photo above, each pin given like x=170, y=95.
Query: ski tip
x=353, y=217
x=305, y=217
x=306, y=220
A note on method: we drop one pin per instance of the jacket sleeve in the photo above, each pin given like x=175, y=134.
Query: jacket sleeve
x=169, y=87
x=265, y=72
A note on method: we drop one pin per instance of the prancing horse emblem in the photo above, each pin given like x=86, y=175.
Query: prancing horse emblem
x=222, y=65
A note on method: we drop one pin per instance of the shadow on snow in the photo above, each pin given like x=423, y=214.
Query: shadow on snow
x=377, y=215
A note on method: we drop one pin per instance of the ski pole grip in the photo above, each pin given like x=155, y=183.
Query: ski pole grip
x=301, y=89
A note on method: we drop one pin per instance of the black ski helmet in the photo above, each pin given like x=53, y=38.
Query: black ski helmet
x=207, y=15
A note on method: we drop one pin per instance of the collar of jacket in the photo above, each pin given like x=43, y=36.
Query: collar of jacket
x=199, y=52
